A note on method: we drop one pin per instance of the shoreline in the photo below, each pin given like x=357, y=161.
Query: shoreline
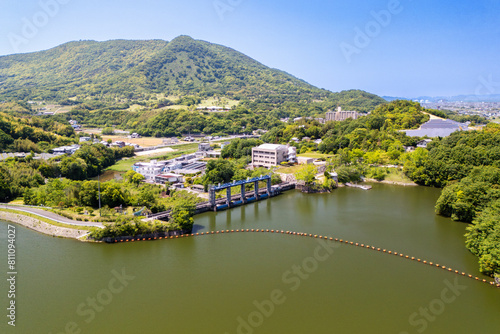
x=43, y=227
x=405, y=184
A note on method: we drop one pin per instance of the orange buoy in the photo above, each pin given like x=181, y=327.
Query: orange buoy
x=378, y=249
x=425, y=261
x=390, y=252
x=357, y=244
x=352, y=243
x=341, y=240
x=401, y=255
x=315, y=235
x=470, y=275
x=232, y=231
x=413, y=258
x=444, y=267
x=449, y=269
x=331, y=239
x=362, y=245
x=336, y=239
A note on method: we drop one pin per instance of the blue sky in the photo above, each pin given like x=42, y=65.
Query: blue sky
x=405, y=48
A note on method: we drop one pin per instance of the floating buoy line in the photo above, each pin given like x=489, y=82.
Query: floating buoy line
x=342, y=241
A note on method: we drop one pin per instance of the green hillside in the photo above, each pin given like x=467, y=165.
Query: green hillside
x=123, y=71
x=22, y=132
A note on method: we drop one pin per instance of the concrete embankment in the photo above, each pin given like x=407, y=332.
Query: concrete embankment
x=41, y=226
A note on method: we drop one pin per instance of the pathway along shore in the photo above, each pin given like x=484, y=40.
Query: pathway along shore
x=28, y=216
x=41, y=226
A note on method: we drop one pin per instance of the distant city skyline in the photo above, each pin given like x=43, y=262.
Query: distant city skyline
x=390, y=48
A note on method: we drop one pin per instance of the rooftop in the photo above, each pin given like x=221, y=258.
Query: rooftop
x=271, y=146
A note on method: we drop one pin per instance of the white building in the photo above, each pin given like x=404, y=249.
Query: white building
x=268, y=155
x=149, y=169
x=341, y=115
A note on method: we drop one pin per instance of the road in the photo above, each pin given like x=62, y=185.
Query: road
x=49, y=215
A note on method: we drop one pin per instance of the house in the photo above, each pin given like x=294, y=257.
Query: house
x=168, y=178
x=424, y=143
x=203, y=147
x=268, y=155
x=84, y=139
x=66, y=149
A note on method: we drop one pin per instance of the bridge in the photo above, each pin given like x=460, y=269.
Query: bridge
x=242, y=196
x=230, y=200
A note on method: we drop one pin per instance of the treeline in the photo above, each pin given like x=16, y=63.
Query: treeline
x=24, y=133
x=90, y=160
x=17, y=175
x=467, y=165
x=453, y=157
x=169, y=123
x=240, y=148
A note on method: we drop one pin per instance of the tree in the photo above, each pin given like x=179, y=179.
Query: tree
x=307, y=174
x=182, y=214
x=108, y=131
x=137, y=178
x=218, y=171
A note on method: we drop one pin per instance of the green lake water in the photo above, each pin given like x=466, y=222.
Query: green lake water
x=262, y=282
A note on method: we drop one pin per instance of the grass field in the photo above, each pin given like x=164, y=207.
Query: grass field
x=219, y=102
x=397, y=175
x=289, y=170
x=315, y=155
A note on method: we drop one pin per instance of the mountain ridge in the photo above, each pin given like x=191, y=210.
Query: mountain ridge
x=145, y=69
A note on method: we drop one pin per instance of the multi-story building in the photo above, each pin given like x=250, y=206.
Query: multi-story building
x=268, y=155
x=149, y=169
x=341, y=115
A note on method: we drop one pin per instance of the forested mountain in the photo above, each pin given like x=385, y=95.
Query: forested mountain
x=138, y=70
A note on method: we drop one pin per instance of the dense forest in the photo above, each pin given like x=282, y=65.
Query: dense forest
x=467, y=164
